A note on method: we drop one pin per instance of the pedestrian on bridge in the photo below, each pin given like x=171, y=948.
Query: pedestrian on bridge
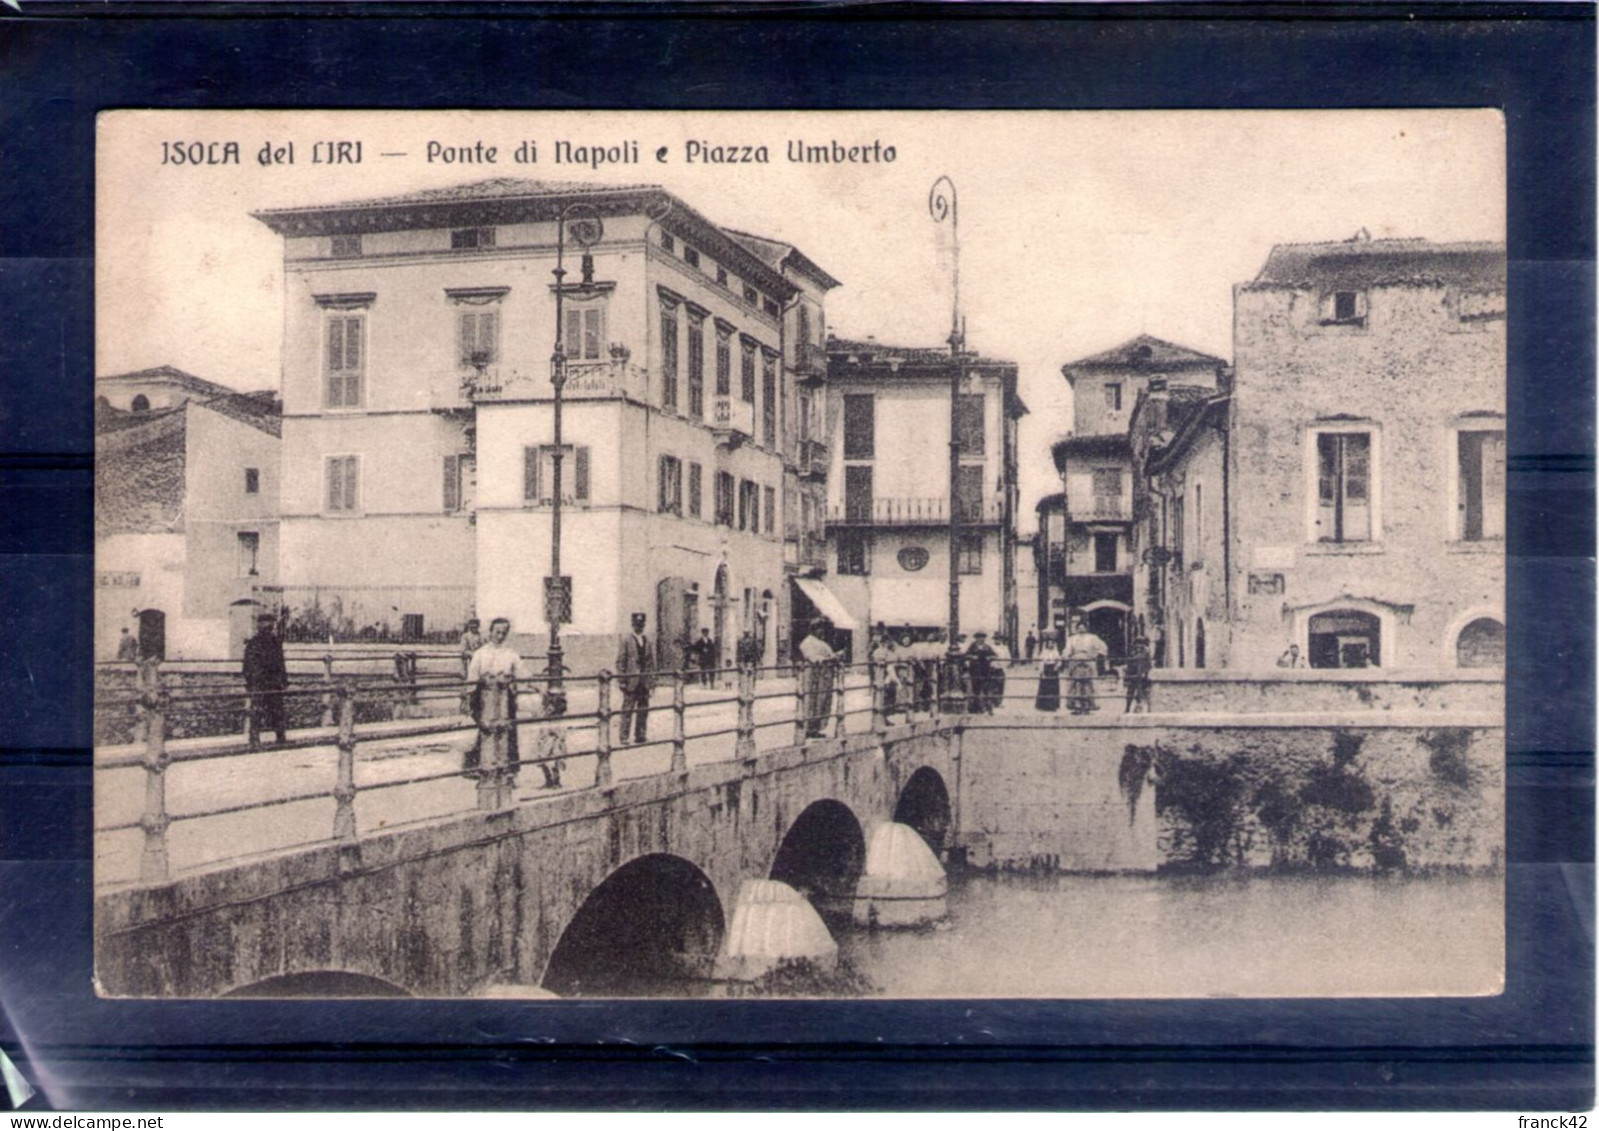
x=1084, y=651
x=635, y=670
x=266, y=680
x=494, y=665
x=819, y=660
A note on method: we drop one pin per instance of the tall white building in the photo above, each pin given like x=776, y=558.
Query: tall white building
x=418, y=463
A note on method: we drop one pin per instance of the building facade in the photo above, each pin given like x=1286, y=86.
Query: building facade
x=419, y=449
x=1097, y=564
x=1367, y=456
x=186, y=500
x=888, y=489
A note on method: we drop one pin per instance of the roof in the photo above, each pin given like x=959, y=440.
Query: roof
x=871, y=352
x=507, y=200
x=259, y=410
x=1051, y=503
x=167, y=374
x=1187, y=418
x=139, y=474
x=1090, y=447
x=1144, y=352
x=1362, y=262
x=775, y=254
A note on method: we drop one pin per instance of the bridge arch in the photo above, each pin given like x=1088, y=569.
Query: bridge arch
x=319, y=984
x=924, y=805
x=655, y=919
x=823, y=854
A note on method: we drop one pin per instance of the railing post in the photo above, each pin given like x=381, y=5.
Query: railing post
x=839, y=673
x=153, y=864
x=679, y=724
x=802, y=676
x=745, y=747
x=493, y=783
x=874, y=676
x=344, y=783
x=602, y=745
x=327, y=690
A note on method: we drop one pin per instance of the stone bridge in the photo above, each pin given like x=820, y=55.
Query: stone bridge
x=647, y=873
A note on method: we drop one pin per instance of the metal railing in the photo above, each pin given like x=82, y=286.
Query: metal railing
x=1086, y=508
x=913, y=511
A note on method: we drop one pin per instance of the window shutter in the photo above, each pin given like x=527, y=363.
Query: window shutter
x=580, y=474
x=592, y=332
x=573, y=333
x=532, y=458
x=335, y=344
x=452, y=483
x=488, y=326
x=464, y=335
x=335, y=491
x=352, y=343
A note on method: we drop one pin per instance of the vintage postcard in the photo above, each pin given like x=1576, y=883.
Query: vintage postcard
x=885, y=555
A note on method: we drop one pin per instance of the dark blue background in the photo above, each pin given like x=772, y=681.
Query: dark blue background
x=1529, y=1050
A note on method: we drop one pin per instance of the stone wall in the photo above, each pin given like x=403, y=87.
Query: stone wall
x=1333, y=791
x=1279, y=689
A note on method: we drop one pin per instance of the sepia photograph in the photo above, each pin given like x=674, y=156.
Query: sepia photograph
x=844, y=555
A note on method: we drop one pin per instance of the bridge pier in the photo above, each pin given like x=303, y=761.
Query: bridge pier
x=903, y=885
x=773, y=924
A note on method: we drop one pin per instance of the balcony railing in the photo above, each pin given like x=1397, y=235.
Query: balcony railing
x=928, y=511
x=813, y=459
x=461, y=388
x=733, y=420
x=1102, y=508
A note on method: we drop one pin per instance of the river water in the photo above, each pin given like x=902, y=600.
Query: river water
x=1068, y=936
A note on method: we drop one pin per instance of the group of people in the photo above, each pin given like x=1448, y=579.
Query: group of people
x=1080, y=657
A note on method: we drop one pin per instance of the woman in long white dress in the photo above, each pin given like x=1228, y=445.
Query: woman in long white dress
x=1083, y=653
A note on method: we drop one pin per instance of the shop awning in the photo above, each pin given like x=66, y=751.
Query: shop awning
x=826, y=603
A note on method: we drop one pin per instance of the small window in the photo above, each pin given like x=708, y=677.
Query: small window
x=252, y=481
x=691, y=256
x=249, y=553
x=668, y=241
x=854, y=553
x=141, y=403
x=471, y=239
x=346, y=247
x=1344, y=308
x=343, y=475
x=724, y=499
x=669, y=498
x=752, y=296
x=721, y=275
x=695, y=475
x=538, y=474
x=1481, y=644
x=1105, y=553
x=971, y=554
x=1113, y=396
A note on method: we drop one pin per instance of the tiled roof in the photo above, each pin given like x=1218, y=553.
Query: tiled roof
x=139, y=475
x=167, y=374
x=494, y=188
x=1108, y=444
x=870, y=352
x=259, y=410
x=773, y=253
x=1146, y=352
x=1360, y=263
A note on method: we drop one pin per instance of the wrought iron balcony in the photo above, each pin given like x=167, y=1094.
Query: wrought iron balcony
x=457, y=389
x=912, y=511
x=1098, y=508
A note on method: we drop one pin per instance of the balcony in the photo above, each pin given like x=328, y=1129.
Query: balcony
x=813, y=460
x=927, y=511
x=732, y=421
x=810, y=364
x=453, y=390
x=1098, y=508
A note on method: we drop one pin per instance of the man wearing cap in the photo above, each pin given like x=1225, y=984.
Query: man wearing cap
x=266, y=679
x=981, y=673
x=635, y=672
x=1136, y=678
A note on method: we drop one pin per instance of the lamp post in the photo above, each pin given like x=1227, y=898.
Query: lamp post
x=587, y=229
x=941, y=203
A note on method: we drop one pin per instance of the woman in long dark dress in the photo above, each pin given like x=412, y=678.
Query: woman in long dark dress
x=1049, y=675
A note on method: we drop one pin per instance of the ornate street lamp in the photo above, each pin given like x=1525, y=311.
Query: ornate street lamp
x=587, y=229
x=941, y=203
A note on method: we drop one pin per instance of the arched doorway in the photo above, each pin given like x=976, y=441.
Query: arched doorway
x=1481, y=644
x=653, y=923
x=141, y=403
x=1109, y=622
x=152, y=634
x=1345, y=638
x=822, y=856
x=924, y=806
x=319, y=984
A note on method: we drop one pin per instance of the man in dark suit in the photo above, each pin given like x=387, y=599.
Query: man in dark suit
x=266, y=678
x=635, y=673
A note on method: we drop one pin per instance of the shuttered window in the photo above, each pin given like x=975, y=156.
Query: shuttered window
x=343, y=484
x=478, y=337
x=344, y=360
x=538, y=474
